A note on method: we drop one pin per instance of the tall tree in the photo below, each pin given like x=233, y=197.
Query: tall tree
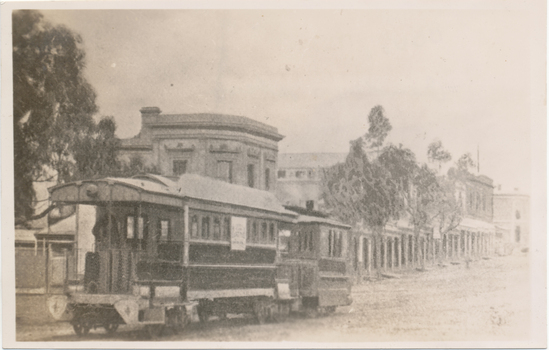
x=437, y=154
x=360, y=190
x=379, y=128
x=53, y=103
x=464, y=163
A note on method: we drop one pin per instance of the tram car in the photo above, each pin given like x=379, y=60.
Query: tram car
x=164, y=248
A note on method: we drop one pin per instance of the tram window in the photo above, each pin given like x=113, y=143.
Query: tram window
x=130, y=225
x=216, y=228
x=205, y=227
x=264, y=232
x=284, y=240
x=164, y=230
x=330, y=239
x=339, y=244
x=226, y=228
x=194, y=226
x=140, y=227
x=335, y=243
x=335, y=249
x=254, y=232
x=271, y=233
x=329, y=242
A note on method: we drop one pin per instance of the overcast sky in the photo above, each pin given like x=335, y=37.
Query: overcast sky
x=459, y=76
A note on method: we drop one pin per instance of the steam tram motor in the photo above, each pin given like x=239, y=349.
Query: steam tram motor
x=163, y=248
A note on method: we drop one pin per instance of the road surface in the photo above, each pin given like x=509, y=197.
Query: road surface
x=487, y=301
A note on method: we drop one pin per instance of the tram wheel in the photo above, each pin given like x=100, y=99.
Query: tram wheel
x=203, y=314
x=111, y=328
x=282, y=312
x=81, y=329
x=262, y=311
x=176, y=319
x=261, y=316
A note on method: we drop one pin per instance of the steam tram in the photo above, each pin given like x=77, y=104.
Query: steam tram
x=163, y=248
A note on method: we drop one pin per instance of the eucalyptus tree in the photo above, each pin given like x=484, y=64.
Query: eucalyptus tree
x=53, y=104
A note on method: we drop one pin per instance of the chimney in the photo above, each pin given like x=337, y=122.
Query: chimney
x=310, y=205
x=149, y=114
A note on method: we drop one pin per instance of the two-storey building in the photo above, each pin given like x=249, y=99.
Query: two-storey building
x=512, y=216
x=231, y=148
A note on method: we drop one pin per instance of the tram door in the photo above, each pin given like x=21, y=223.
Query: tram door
x=108, y=270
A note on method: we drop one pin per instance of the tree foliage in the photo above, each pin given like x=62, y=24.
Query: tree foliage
x=437, y=154
x=53, y=104
x=360, y=191
x=96, y=154
x=392, y=185
x=465, y=162
x=379, y=128
x=136, y=165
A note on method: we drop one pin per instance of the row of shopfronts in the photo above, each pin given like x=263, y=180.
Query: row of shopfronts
x=400, y=249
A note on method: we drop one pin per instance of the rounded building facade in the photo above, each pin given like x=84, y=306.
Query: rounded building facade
x=230, y=148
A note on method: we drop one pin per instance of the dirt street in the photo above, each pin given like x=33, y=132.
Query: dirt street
x=487, y=301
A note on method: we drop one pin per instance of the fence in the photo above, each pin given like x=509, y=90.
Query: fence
x=40, y=271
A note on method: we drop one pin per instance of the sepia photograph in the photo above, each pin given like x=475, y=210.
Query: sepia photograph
x=255, y=174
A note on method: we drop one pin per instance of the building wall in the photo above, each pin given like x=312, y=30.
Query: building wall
x=479, y=198
x=512, y=214
x=300, y=177
x=234, y=149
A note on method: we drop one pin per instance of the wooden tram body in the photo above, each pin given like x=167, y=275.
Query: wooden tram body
x=315, y=263
x=164, y=247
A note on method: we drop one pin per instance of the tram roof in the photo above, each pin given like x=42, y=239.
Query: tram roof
x=188, y=186
x=320, y=220
x=199, y=187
